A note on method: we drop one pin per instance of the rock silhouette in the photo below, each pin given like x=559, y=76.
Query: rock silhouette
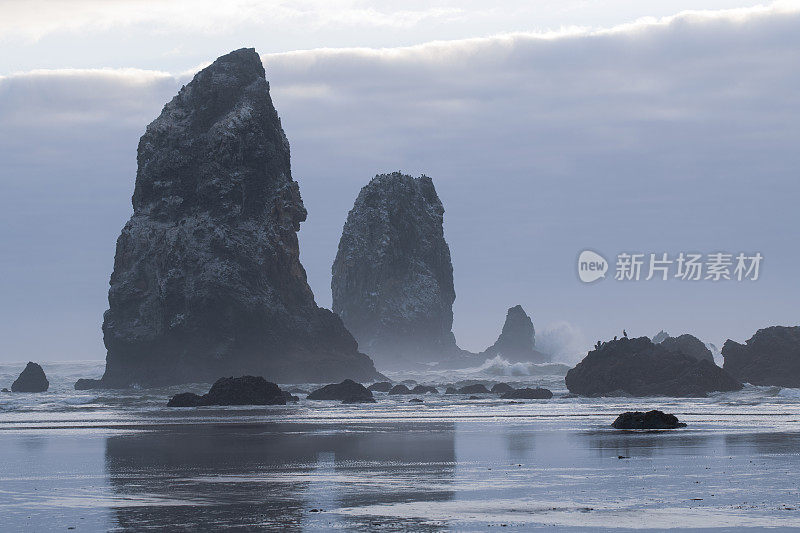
x=32, y=379
x=207, y=278
x=649, y=420
x=770, y=357
x=637, y=367
x=245, y=390
x=348, y=391
x=516, y=341
x=392, y=278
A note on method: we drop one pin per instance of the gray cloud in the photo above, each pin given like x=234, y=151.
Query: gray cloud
x=661, y=136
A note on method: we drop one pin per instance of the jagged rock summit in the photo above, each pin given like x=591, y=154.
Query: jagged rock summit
x=392, y=277
x=516, y=341
x=207, y=278
x=770, y=357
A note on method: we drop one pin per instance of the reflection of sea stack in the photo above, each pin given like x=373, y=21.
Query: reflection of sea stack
x=516, y=341
x=392, y=278
x=207, y=279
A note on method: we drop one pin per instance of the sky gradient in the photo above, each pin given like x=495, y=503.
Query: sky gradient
x=547, y=130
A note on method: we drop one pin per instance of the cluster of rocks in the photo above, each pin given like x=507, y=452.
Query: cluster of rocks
x=770, y=357
x=639, y=367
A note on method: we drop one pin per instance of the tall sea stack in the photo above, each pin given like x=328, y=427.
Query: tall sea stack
x=207, y=278
x=516, y=341
x=392, y=278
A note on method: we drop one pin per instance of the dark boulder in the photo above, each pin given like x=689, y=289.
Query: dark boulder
x=478, y=388
x=245, y=390
x=528, y=394
x=88, y=384
x=381, y=386
x=207, y=278
x=400, y=389
x=770, y=357
x=415, y=400
x=425, y=389
x=186, y=399
x=32, y=379
x=289, y=397
x=4, y=390
x=348, y=391
x=516, y=341
x=640, y=368
x=649, y=420
x=501, y=388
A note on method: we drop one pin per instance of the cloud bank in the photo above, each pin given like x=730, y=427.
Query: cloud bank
x=660, y=136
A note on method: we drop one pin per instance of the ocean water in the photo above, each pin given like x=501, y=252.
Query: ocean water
x=122, y=460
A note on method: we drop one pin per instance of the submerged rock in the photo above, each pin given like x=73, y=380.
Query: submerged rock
x=399, y=389
x=348, y=391
x=392, y=278
x=415, y=400
x=528, y=394
x=478, y=388
x=640, y=368
x=32, y=379
x=501, y=388
x=245, y=390
x=516, y=341
x=649, y=420
x=770, y=357
x=381, y=386
x=207, y=278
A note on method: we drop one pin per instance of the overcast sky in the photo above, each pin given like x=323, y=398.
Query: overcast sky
x=547, y=127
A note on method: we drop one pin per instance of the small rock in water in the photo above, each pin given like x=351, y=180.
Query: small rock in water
x=400, y=389
x=32, y=379
x=528, y=394
x=348, y=391
x=649, y=420
x=425, y=389
x=381, y=386
x=502, y=388
x=5, y=390
x=87, y=384
x=245, y=390
x=478, y=388
x=415, y=400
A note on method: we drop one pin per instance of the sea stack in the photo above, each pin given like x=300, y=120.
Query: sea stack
x=31, y=379
x=770, y=357
x=392, y=278
x=207, y=278
x=516, y=341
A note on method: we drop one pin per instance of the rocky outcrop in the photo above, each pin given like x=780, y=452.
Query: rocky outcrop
x=689, y=345
x=32, y=379
x=501, y=388
x=381, y=386
x=770, y=357
x=516, y=341
x=392, y=279
x=637, y=367
x=207, y=278
x=649, y=420
x=399, y=389
x=528, y=394
x=245, y=390
x=348, y=391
